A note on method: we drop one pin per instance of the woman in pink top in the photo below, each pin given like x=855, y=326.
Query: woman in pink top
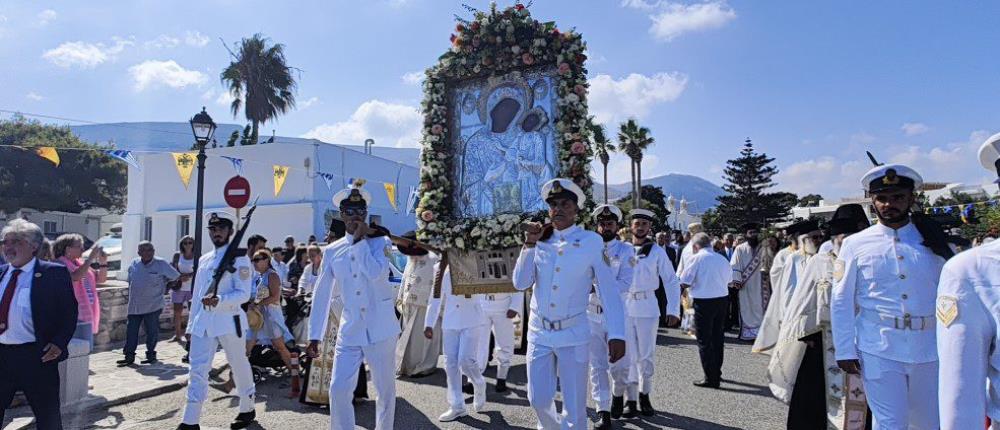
x=68, y=250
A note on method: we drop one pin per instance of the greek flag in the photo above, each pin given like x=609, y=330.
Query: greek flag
x=411, y=200
x=328, y=178
x=237, y=164
x=125, y=156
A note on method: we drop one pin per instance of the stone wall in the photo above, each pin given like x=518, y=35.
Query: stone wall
x=114, y=313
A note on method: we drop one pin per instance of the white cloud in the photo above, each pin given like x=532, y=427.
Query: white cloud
x=388, y=123
x=154, y=74
x=34, y=97
x=224, y=99
x=914, y=128
x=45, y=17
x=671, y=20
x=86, y=55
x=195, y=38
x=163, y=41
x=310, y=102
x=862, y=138
x=835, y=177
x=613, y=100
x=414, y=78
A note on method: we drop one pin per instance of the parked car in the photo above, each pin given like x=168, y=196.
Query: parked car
x=112, y=245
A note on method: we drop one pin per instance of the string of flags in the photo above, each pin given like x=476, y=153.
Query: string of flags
x=966, y=212
x=185, y=163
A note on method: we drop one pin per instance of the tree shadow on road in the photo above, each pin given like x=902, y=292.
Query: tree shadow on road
x=669, y=420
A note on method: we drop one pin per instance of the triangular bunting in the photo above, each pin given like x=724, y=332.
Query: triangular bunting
x=184, y=161
x=280, y=174
x=390, y=192
x=48, y=153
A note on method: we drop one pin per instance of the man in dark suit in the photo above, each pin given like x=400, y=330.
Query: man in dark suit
x=663, y=239
x=38, y=314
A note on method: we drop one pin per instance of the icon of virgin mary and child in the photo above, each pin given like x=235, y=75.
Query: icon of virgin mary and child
x=510, y=154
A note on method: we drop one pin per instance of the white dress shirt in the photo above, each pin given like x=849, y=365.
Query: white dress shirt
x=357, y=272
x=884, y=304
x=307, y=282
x=460, y=312
x=623, y=262
x=967, y=344
x=20, y=326
x=649, y=271
x=709, y=275
x=687, y=253
x=562, y=271
x=234, y=290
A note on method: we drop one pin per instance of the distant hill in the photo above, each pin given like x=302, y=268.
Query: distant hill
x=699, y=193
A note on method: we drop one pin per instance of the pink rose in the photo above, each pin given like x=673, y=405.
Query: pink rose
x=437, y=129
x=580, y=90
x=578, y=148
x=427, y=216
x=527, y=58
x=563, y=68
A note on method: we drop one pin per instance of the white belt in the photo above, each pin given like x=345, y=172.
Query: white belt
x=492, y=297
x=563, y=324
x=595, y=309
x=638, y=295
x=905, y=322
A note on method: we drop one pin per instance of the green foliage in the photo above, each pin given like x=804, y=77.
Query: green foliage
x=602, y=148
x=652, y=199
x=633, y=141
x=83, y=179
x=956, y=198
x=809, y=200
x=260, y=81
x=748, y=177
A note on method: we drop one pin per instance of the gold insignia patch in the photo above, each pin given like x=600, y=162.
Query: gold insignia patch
x=244, y=273
x=838, y=270
x=947, y=310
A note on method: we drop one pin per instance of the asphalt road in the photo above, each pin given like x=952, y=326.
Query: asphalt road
x=744, y=401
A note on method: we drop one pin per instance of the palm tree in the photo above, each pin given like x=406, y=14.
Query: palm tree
x=260, y=81
x=634, y=139
x=602, y=147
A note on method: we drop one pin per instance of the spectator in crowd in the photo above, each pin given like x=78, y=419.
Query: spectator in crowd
x=708, y=277
x=68, y=251
x=255, y=243
x=729, y=245
x=265, y=298
x=298, y=265
x=312, y=239
x=147, y=281
x=307, y=282
x=280, y=267
x=44, y=252
x=180, y=295
x=289, y=252
x=36, y=324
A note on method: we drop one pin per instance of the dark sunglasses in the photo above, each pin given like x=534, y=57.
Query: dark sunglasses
x=259, y=259
x=355, y=212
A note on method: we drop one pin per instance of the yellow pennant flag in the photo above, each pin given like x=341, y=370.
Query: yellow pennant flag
x=280, y=173
x=184, y=161
x=390, y=192
x=48, y=153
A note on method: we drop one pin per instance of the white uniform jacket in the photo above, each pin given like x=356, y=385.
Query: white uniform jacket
x=459, y=312
x=891, y=279
x=357, y=272
x=234, y=290
x=650, y=270
x=623, y=262
x=562, y=271
x=968, y=308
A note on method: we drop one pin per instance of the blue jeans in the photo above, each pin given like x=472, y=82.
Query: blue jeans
x=151, y=325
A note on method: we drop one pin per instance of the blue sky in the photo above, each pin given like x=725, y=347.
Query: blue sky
x=813, y=84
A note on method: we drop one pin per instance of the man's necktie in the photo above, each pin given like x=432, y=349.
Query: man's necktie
x=8, y=297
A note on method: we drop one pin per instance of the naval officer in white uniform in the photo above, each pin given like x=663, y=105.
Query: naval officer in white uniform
x=562, y=268
x=462, y=323
x=968, y=311
x=882, y=305
x=607, y=378
x=218, y=319
x=500, y=309
x=356, y=269
x=642, y=311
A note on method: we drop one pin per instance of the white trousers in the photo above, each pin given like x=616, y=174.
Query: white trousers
x=201, y=354
x=381, y=359
x=640, y=341
x=570, y=364
x=503, y=334
x=460, y=356
x=902, y=396
x=604, y=375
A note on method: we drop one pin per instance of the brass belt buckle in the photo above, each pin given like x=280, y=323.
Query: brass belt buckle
x=907, y=322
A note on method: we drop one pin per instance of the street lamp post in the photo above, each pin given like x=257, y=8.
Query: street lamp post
x=203, y=128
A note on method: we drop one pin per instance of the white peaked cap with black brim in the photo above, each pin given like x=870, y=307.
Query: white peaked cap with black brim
x=645, y=214
x=606, y=210
x=563, y=187
x=353, y=194
x=888, y=176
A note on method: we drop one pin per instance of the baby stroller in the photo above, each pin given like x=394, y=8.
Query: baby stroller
x=264, y=360
x=297, y=317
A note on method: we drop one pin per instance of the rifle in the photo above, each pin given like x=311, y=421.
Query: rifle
x=229, y=258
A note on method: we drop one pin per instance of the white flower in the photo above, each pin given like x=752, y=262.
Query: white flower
x=460, y=243
x=515, y=49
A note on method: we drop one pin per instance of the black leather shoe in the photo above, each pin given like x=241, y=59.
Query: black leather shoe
x=468, y=389
x=149, y=361
x=645, y=407
x=243, y=420
x=127, y=361
x=603, y=421
x=617, y=405
x=501, y=386
x=706, y=384
x=631, y=410
x=188, y=427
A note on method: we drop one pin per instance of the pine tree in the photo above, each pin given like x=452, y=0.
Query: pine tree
x=748, y=178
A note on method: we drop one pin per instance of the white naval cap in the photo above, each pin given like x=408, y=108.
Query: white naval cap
x=645, y=214
x=608, y=210
x=353, y=194
x=220, y=218
x=557, y=186
x=989, y=154
x=889, y=176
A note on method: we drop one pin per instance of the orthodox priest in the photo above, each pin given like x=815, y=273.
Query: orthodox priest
x=416, y=355
x=746, y=264
x=803, y=371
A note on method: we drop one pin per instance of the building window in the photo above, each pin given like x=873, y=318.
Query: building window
x=183, y=226
x=147, y=229
x=49, y=226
